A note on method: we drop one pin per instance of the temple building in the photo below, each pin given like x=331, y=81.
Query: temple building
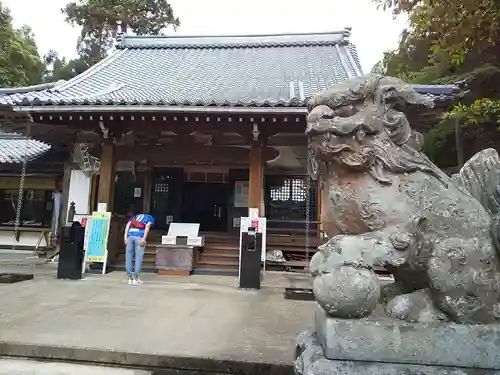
x=197, y=129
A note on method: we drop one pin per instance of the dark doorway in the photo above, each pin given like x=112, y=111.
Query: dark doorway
x=165, y=196
x=205, y=203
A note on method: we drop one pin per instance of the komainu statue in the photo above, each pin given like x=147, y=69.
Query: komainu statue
x=385, y=204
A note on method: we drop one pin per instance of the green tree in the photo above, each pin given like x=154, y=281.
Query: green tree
x=449, y=41
x=457, y=29
x=412, y=61
x=20, y=63
x=59, y=68
x=101, y=20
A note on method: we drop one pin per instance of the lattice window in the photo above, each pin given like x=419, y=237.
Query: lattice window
x=286, y=198
x=162, y=184
x=161, y=188
x=165, y=197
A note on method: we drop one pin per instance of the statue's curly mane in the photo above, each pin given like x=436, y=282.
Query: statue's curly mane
x=373, y=134
x=440, y=240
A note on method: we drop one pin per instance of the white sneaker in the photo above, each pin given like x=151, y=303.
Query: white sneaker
x=130, y=281
x=137, y=281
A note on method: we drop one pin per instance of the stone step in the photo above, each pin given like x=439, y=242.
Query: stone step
x=219, y=246
x=220, y=254
x=217, y=262
x=142, y=362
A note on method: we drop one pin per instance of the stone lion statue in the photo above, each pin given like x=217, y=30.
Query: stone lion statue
x=386, y=204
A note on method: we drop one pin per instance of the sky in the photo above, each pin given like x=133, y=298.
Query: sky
x=373, y=31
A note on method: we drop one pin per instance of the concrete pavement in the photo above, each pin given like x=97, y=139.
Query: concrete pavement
x=197, y=317
x=9, y=366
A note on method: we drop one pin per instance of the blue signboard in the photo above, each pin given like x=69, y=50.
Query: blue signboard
x=98, y=237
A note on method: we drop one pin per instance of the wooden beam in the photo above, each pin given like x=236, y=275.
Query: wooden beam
x=107, y=176
x=287, y=140
x=190, y=154
x=255, y=191
x=123, y=122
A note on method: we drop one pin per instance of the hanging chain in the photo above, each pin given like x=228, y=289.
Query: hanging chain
x=20, y=199
x=308, y=206
x=308, y=216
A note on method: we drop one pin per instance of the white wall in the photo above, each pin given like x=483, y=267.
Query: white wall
x=79, y=192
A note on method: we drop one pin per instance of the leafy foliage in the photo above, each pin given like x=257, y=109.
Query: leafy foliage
x=20, y=63
x=61, y=68
x=412, y=62
x=455, y=28
x=449, y=41
x=101, y=20
x=436, y=139
x=481, y=111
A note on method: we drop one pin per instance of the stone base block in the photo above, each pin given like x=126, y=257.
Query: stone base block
x=440, y=344
x=310, y=360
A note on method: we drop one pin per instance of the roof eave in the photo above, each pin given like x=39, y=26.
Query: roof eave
x=159, y=109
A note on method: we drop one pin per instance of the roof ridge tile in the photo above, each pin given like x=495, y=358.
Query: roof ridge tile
x=235, y=41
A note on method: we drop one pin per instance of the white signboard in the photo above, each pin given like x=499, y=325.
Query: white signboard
x=260, y=224
x=183, y=229
x=189, y=230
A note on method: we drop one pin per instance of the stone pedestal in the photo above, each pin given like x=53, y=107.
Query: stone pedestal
x=388, y=347
x=310, y=360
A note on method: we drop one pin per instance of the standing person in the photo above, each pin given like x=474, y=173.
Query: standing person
x=135, y=237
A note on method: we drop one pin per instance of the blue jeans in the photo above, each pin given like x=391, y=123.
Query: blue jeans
x=134, y=248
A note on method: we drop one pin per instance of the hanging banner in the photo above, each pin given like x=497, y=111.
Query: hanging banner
x=97, y=237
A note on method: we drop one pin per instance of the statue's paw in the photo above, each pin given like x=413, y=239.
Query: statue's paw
x=391, y=290
x=347, y=292
x=415, y=307
x=315, y=264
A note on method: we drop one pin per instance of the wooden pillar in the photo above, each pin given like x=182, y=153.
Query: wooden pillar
x=106, y=190
x=93, y=194
x=63, y=214
x=256, y=181
x=148, y=184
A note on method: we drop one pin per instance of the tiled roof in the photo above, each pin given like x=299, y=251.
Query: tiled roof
x=255, y=71
x=438, y=92
x=222, y=71
x=16, y=148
